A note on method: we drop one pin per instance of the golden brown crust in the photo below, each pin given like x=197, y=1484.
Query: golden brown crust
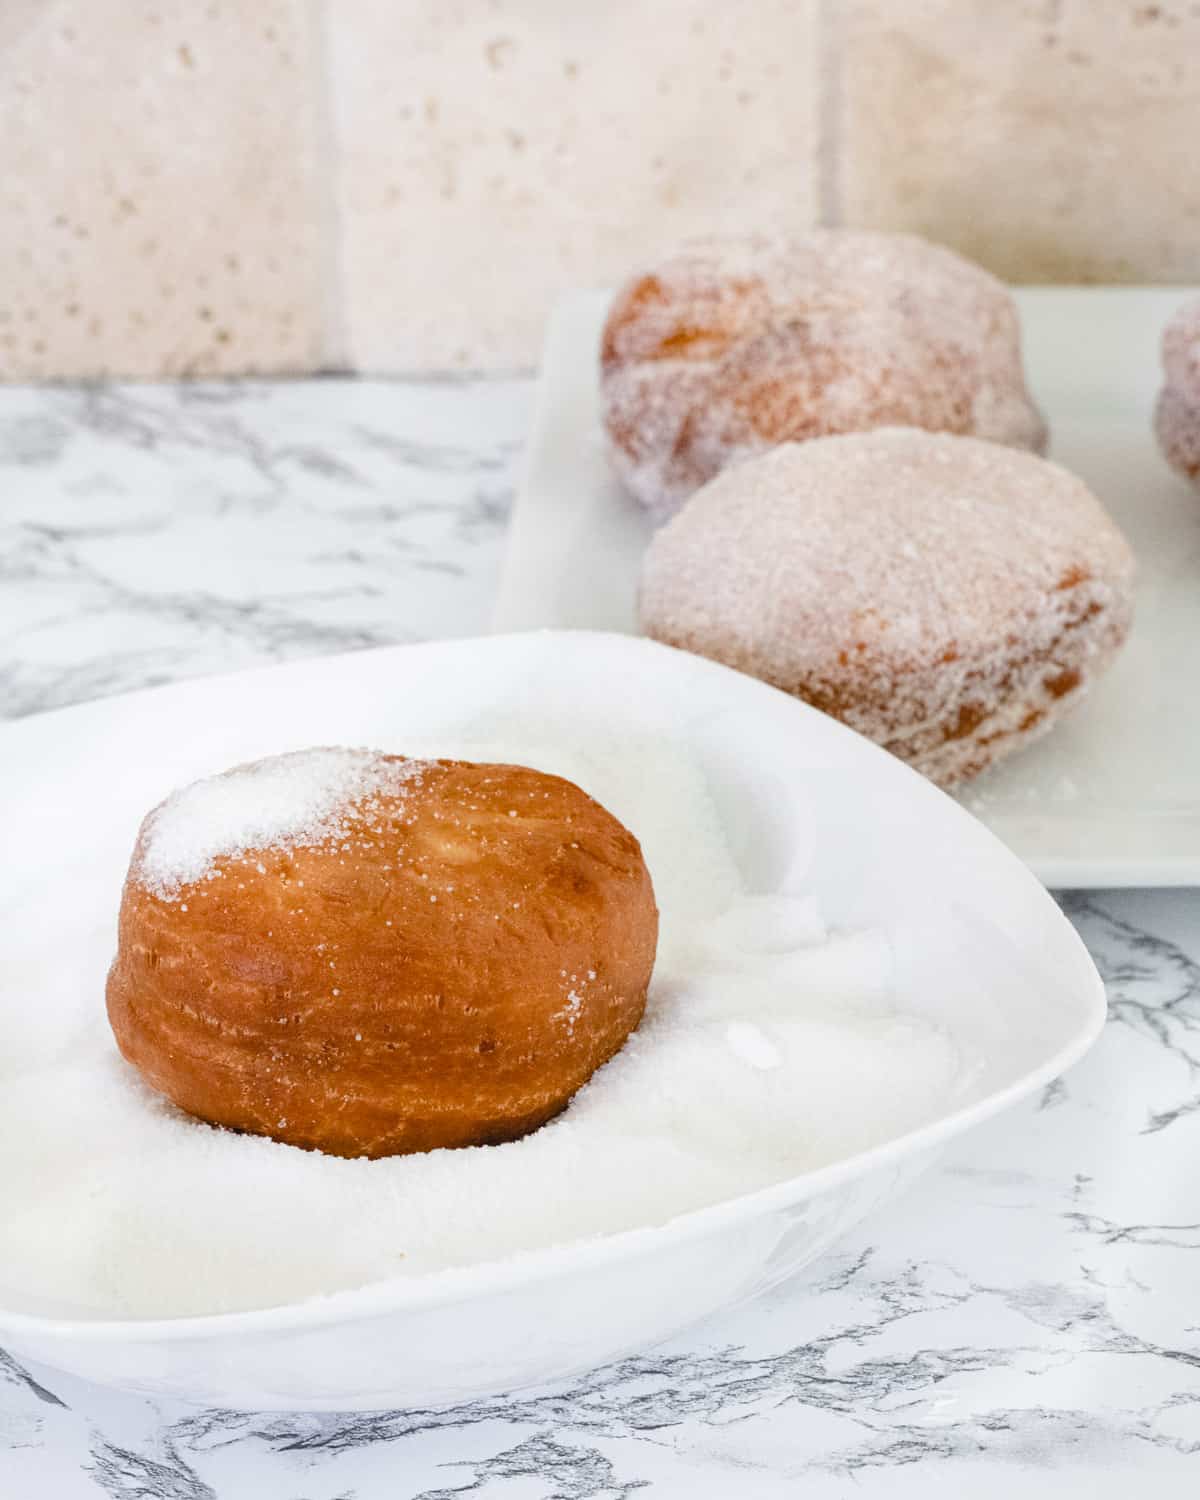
x=448, y=974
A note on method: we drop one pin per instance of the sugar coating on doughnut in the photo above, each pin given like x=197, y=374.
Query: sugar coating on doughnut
x=302, y=799
x=1181, y=351
x=944, y=596
x=1177, y=415
x=1177, y=426
x=732, y=346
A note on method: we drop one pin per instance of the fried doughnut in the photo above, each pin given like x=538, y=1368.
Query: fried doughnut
x=1177, y=415
x=368, y=955
x=946, y=597
x=730, y=347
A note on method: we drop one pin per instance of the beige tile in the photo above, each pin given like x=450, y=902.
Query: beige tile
x=158, y=198
x=494, y=154
x=1053, y=141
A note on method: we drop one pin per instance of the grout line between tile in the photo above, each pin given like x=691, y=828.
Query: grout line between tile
x=334, y=354
x=830, y=111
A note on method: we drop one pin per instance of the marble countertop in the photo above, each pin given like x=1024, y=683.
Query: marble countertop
x=1027, y=1318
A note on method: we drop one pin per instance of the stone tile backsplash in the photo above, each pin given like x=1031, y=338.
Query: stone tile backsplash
x=388, y=185
x=1057, y=140
x=493, y=155
x=160, y=190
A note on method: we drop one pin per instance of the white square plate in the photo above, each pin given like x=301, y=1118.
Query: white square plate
x=975, y=946
x=1112, y=797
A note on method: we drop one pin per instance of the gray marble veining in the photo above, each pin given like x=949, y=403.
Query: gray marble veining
x=1027, y=1319
x=152, y=532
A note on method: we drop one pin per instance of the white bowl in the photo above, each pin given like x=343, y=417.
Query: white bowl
x=979, y=947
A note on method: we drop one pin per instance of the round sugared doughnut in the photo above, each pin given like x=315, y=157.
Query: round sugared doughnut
x=1177, y=415
x=944, y=596
x=732, y=346
x=369, y=955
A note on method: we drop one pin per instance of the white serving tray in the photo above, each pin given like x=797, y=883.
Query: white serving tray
x=976, y=946
x=1112, y=797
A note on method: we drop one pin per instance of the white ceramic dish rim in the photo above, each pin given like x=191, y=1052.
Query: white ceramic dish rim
x=488, y=1278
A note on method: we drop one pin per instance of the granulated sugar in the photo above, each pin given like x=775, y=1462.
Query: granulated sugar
x=293, y=799
x=770, y=1046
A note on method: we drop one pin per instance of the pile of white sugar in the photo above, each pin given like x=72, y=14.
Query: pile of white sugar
x=770, y=1046
x=290, y=800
